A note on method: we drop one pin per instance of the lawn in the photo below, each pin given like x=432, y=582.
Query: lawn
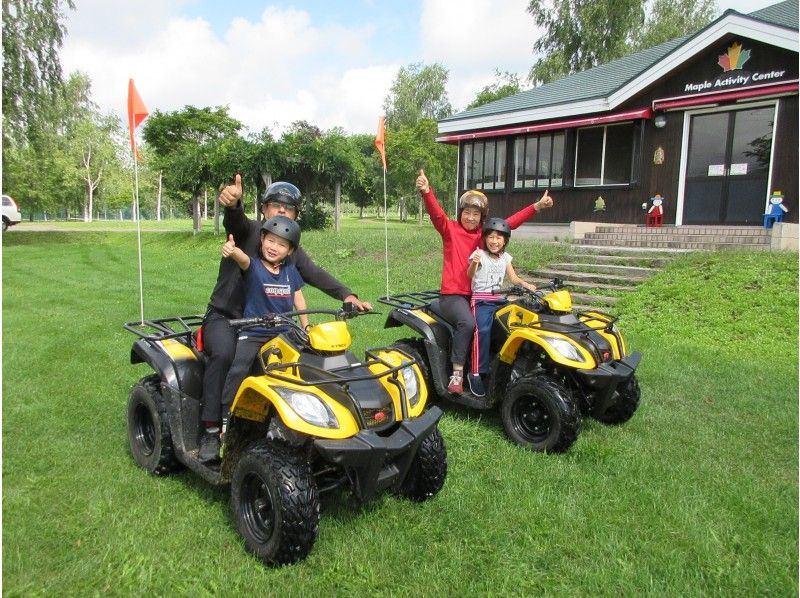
x=696, y=495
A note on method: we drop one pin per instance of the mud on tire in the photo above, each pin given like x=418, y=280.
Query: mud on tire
x=541, y=414
x=275, y=503
x=428, y=469
x=149, y=436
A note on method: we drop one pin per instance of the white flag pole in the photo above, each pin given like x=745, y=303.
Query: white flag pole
x=137, y=215
x=386, y=232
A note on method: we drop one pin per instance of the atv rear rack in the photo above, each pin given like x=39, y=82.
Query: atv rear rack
x=410, y=300
x=164, y=328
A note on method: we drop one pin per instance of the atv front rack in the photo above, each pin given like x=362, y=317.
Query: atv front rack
x=164, y=328
x=339, y=376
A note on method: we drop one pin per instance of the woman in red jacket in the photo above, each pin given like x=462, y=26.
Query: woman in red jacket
x=460, y=237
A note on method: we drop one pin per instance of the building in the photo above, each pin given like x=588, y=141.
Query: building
x=708, y=121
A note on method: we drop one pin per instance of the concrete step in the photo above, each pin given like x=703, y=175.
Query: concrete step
x=569, y=276
x=695, y=246
x=623, y=260
x=587, y=299
x=741, y=239
x=714, y=230
x=621, y=269
x=577, y=286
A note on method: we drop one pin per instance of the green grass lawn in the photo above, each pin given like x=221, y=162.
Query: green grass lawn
x=696, y=495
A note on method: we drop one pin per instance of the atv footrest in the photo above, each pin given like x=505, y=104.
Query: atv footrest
x=379, y=462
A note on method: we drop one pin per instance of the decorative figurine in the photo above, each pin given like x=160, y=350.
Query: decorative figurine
x=655, y=215
x=776, y=209
x=600, y=204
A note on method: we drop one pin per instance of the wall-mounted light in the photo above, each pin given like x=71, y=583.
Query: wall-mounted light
x=660, y=121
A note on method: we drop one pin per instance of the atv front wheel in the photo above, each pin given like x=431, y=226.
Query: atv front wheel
x=148, y=429
x=275, y=503
x=540, y=413
x=428, y=469
x=623, y=404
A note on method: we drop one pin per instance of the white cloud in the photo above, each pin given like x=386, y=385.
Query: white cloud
x=270, y=72
x=474, y=38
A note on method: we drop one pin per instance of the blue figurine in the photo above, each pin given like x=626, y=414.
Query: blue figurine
x=776, y=210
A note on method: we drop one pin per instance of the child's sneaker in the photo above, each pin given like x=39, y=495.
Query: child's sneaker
x=476, y=385
x=456, y=385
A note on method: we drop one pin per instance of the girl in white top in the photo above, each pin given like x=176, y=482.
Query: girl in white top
x=488, y=268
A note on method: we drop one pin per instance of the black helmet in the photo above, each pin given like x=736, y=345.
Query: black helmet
x=283, y=192
x=498, y=225
x=284, y=227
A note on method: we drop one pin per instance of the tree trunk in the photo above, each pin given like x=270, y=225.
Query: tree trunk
x=266, y=177
x=337, y=212
x=205, y=204
x=158, y=198
x=216, y=215
x=421, y=208
x=196, y=214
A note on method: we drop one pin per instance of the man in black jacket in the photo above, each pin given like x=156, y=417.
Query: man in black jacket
x=227, y=298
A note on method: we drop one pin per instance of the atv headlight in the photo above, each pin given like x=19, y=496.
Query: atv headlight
x=565, y=348
x=412, y=385
x=309, y=407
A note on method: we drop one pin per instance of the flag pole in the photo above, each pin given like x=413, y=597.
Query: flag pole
x=137, y=112
x=137, y=215
x=385, y=233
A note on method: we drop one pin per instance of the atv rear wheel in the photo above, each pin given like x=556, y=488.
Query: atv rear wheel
x=539, y=413
x=624, y=403
x=275, y=503
x=148, y=429
x=428, y=469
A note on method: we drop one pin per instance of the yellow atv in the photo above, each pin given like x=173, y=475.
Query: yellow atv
x=313, y=419
x=549, y=364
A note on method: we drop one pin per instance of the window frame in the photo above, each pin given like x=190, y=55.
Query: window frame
x=631, y=165
x=531, y=143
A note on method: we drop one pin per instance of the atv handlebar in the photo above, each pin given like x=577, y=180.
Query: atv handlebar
x=346, y=312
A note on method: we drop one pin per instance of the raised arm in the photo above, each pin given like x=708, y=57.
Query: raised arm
x=234, y=219
x=230, y=250
x=516, y=219
x=437, y=214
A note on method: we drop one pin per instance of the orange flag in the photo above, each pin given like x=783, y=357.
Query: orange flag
x=137, y=112
x=380, y=141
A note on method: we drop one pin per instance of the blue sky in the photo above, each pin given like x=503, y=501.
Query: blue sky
x=273, y=62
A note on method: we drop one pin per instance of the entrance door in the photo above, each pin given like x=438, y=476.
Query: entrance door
x=728, y=166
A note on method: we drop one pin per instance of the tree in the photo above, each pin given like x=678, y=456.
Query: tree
x=32, y=36
x=186, y=145
x=417, y=92
x=669, y=19
x=581, y=34
x=506, y=84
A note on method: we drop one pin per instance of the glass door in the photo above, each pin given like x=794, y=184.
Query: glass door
x=728, y=166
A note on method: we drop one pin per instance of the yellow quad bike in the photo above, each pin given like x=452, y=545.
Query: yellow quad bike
x=312, y=419
x=550, y=365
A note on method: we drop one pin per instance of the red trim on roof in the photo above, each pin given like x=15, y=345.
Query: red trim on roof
x=561, y=124
x=724, y=96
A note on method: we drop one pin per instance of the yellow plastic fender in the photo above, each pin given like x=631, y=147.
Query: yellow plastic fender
x=508, y=353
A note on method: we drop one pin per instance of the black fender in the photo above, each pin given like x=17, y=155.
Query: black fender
x=183, y=375
x=404, y=317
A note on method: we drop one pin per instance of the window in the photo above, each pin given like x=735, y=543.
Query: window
x=484, y=165
x=539, y=161
x=603, y=155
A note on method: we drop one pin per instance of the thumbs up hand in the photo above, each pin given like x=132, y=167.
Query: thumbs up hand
x=229, y=247
x=544, y=202
x=422, y=182
x=231, y=194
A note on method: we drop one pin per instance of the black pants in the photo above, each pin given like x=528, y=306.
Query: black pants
x=219, y=342
x=456, y=310
x=244, y=364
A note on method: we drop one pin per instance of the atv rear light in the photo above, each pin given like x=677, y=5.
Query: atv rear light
x=565, y=348
x=309, y=407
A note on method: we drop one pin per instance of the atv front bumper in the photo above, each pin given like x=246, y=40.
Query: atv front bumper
x=379, y=462
x=602, y=381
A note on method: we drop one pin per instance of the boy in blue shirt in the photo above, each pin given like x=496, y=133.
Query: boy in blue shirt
x=272, y=285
